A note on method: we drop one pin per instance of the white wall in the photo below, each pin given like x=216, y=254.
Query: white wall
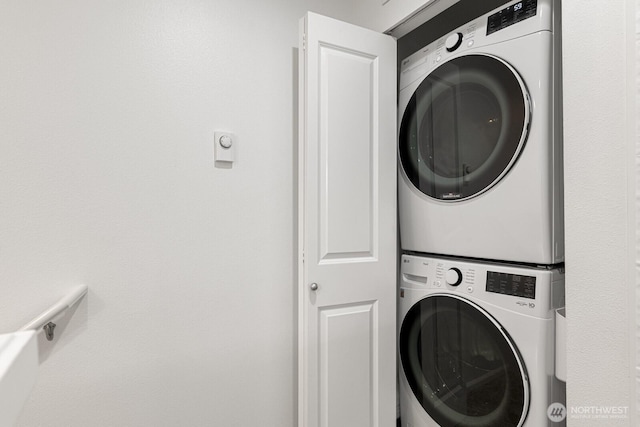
x=600, y=228
x=635, y=249
x=107, y=114
x=635, y=187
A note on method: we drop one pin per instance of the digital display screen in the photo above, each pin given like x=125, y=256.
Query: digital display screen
x=511, y=284
x=510, y=15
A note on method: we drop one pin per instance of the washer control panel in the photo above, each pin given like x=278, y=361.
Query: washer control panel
x=421, y=273
x=453, y=276
x=517, y=285
x=525, y=289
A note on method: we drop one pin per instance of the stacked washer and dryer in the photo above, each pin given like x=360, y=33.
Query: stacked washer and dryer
x=481, y=222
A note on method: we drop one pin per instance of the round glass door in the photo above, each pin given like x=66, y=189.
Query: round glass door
x=464, y=127
x=461, y=366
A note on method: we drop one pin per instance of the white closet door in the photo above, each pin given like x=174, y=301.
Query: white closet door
x=347, y=224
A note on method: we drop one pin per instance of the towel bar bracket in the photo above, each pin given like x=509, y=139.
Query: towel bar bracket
x=48, y=330
x=45, y=320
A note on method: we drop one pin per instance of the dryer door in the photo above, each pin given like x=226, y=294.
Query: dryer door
x=464, y=127
x=461, y=366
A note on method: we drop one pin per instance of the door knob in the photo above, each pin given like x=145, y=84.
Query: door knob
x=314, y=286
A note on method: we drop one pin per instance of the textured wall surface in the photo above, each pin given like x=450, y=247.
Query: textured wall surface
x=598, y=227
x=107, y=114
x=636, y=91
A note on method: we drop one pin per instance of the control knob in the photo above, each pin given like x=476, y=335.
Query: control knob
x=453, y=42
x=453, y=276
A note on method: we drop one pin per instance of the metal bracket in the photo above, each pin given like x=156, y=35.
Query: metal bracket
x=48, y=330
x=45, y=320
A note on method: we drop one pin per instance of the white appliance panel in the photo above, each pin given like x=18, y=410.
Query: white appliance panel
x=526, y=321
x=518, y=215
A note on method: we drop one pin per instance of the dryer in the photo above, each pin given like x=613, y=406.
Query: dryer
x=479, y=143
x=476, y=344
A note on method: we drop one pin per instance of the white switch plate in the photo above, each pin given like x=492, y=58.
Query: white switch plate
x=225, y=146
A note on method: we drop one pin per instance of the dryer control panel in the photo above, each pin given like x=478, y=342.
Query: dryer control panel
x=489, y=29
x=511, y=15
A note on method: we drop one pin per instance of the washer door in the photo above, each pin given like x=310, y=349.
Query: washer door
x=464, y=127
x=461, y=366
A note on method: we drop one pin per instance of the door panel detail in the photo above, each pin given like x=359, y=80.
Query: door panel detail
x=347, y=351
x=348, y=139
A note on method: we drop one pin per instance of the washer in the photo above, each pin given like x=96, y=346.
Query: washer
x=480, y=171
x=476, y=344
